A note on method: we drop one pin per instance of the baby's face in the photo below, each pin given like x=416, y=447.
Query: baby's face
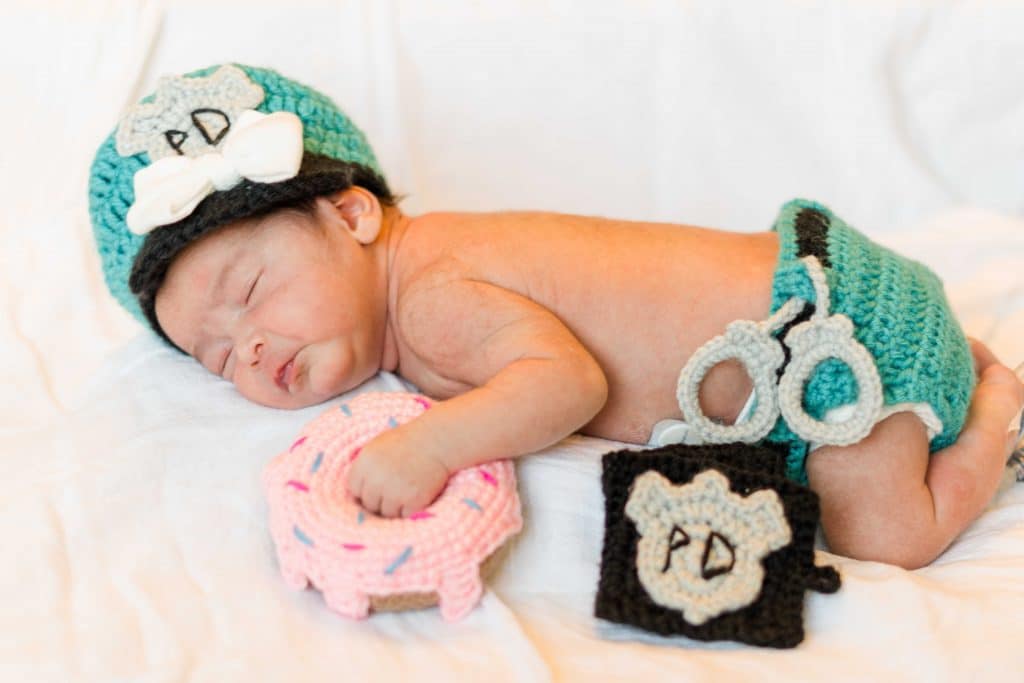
x=287, y=308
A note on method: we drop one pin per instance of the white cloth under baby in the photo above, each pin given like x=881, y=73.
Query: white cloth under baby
x=810, y=343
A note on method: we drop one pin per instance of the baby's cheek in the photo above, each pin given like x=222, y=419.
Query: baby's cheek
x=328, y=374
x=252, y=391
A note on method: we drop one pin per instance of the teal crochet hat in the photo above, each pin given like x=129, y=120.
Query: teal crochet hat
x=213, y=146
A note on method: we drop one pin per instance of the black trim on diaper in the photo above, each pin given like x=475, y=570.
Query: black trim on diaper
x=811, y=228
x=803, y=316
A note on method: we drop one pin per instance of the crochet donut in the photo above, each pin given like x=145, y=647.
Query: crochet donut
x=363, y=562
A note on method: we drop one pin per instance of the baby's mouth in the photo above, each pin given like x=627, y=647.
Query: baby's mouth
x=285, y=375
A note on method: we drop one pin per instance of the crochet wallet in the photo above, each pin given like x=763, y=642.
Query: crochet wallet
x=711, y=542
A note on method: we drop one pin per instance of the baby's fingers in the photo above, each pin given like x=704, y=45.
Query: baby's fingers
x=363, y=490
x=371, y=500
x=390, y=506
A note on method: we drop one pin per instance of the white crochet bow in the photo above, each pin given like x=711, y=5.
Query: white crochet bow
x=263, y=148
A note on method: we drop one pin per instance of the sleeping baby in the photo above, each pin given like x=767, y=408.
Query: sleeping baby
x=245, y=219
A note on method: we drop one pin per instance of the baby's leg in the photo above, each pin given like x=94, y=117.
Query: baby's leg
x=875, y=502
x=886, y=499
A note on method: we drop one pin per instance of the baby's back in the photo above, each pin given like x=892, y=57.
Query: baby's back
x=641, y=297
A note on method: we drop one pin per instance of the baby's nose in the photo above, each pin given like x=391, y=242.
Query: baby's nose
x=252, y=351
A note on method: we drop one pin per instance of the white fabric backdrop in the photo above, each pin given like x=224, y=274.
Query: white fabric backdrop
x=135, y=528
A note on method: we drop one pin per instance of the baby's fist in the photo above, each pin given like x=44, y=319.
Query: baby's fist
x=392, y=478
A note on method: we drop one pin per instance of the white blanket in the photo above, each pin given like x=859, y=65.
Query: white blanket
x=135, y=527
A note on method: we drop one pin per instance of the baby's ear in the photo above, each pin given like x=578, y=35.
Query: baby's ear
x=360, y=212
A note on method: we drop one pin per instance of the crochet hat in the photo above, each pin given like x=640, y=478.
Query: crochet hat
x=207, y=148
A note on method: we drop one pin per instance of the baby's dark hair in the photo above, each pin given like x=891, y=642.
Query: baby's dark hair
x=362, y=176
x=318, y=176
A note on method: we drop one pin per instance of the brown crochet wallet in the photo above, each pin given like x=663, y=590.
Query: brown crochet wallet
x=711, y=542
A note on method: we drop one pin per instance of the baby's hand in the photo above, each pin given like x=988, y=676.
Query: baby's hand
x=392, y=478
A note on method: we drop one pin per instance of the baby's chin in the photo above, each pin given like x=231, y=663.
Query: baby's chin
x=309, y=389
x=302, y=393
x=284, y=402
x=318, y=384
x=318, y=378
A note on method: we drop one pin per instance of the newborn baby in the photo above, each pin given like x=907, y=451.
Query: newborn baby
x=297, y=277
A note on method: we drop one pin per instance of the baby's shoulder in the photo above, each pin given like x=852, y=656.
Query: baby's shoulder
x=439, y=322
x=423, y=277
x=440, y=250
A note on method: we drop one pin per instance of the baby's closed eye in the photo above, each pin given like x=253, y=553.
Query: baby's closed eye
x=229, y=349
x=252, y=287
x=214, y=358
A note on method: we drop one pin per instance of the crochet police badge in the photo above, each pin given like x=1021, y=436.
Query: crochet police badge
x=204, y=134
x=711, y=542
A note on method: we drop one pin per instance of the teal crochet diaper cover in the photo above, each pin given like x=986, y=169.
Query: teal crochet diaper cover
x=856, y=333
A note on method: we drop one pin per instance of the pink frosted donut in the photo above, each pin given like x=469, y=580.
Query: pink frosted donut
x=359, y=560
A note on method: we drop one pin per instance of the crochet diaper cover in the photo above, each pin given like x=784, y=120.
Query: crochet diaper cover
x=856, y=333
x=362, y=561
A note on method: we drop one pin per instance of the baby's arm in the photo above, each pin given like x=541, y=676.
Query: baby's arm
x=885, y=499
x=532, y=381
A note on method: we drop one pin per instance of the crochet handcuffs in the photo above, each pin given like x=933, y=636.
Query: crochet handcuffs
x=810, y=343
